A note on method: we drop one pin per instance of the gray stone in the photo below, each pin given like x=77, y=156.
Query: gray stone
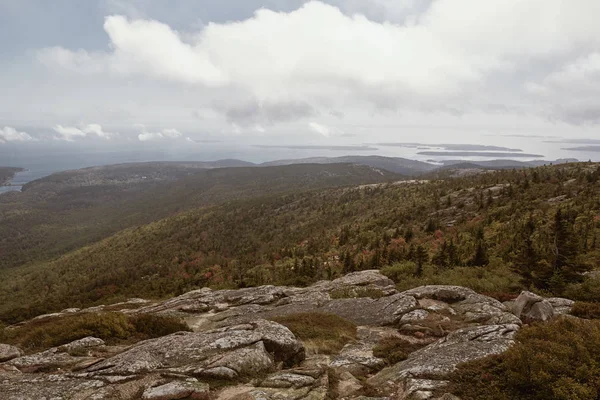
x=82, y=344
x=441, y=357
x=8, y=352
x=178, y=390
x=243, y=348
x=530, y=307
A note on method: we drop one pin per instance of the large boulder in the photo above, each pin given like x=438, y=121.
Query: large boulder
x=8, y=352
x=530, y=307
x=438, y=359
x=242, y=350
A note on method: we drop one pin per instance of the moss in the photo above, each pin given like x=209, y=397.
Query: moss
x=320, y=332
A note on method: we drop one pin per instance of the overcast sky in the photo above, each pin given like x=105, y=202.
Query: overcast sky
x=291, y=71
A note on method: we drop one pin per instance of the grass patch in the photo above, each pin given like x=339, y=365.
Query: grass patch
x=321, y=333
x=109, y=326
x=394, y=349
x=586, y=310
x=352, y=293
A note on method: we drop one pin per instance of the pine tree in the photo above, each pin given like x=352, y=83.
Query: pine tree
x=421, y=258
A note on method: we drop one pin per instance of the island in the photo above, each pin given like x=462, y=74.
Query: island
x=7, y=173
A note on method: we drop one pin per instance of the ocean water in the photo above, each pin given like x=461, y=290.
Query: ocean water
x=43, y=161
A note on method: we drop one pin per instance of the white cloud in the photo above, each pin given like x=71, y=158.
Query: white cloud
x=321, y=129
x=70, y=133
x=146, y=136
x=574, y=90
x=449, y=55
x=9, y=134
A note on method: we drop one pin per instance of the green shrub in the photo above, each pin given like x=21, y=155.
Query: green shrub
x=109, y=326
x=586, y=310
x=151, y=325
x=588, y=290
x=394, y=349
x=495, y=278
x=559, y=360
x=320, y=332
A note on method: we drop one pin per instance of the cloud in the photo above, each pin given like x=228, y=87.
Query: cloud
x=253, y=112
x=9, y=134
x=425, y=56
x=70, y=133
x=573, y=90
x=146, y=136
x=320, y=129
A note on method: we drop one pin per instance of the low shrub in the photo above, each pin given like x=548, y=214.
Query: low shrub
x=321, y=333
x=394, y=349
x=152, y=326
x=495, y=278
x=109, y=326
x=558, y=360
x=586, y=310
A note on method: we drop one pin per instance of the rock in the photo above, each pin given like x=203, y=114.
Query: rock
x=287, y=380
x=50, y=360
x=366, y=311
x=560, y=305
x=363, y=278
x=82, y=344
x=347, y=385
x=8, y=352
x=415, y=315
x=416, y=389
x=530, y=307
x=441, y=357
x=247, y=349
x=178, y=390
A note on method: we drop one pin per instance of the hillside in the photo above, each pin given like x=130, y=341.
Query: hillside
x=71, y=209
x=399, y=165
x=6, y=174
x=497, y=232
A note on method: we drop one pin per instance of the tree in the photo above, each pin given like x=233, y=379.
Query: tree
x=421, y=258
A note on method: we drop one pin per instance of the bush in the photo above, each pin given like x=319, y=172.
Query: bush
x=152, y=326
x=394, y=349
x=320, y=332
x=109, y=326
x=588, y=290
x=559, y=360
x=586, y=310
x=495, y=278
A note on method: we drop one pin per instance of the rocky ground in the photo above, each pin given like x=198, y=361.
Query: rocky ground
x=236, y=352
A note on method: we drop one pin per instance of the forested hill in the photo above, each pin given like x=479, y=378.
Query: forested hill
x=68, y=210
x=496, y=232
x=7, y=173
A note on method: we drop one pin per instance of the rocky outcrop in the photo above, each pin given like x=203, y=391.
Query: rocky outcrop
x=8, y=352
x=227, y=353
x=235, y=345
x=530, y=307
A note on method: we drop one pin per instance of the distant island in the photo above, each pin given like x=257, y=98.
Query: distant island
x=585, y=148
x=7, y=173
x=453, y=147
x=478, y=154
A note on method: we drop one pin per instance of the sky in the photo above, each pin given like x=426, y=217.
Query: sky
x=144, y=75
